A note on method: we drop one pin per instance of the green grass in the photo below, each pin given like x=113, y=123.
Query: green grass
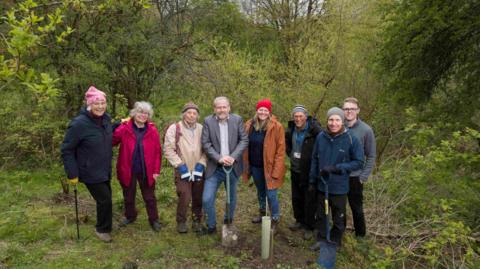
x=37, y=230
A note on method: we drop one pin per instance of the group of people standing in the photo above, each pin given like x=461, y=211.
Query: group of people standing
x=340, y=157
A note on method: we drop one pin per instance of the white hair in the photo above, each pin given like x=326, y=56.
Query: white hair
x=220, y=99
x=142, y=106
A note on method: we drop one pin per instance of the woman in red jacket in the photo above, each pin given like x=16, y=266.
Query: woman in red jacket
x=139, y=161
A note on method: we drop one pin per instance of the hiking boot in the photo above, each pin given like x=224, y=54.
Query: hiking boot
x=124, y=222
x=258, y=219
x=227, y=221
x=182, y=227
x=315, y=246
x=359, y=235
x=308, y=234
x=274, y=226
x=156, y=226
x=196, y=226
x=295, y=226
x=105, y=237
x=207, y=231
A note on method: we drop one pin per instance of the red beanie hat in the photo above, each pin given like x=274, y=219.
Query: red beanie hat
x=266, y=104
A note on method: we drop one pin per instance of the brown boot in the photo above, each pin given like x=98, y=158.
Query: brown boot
x=182, y=227
x=295, y=226
x=308, y=234
x=258, y=219
x=274, y=226
x=156, y=226
x=196, y=226
x=105, y=237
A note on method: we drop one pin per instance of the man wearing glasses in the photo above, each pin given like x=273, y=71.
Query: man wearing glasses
x=365, y=135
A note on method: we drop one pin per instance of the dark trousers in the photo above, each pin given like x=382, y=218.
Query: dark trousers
x=148, y=194
x=355, y=199
x=102, y=194
x=304, y=203
x=338, y=207
x=186, y=192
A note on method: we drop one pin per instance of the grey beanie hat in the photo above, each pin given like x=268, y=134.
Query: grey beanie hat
x=336, y=111
x=300, y=108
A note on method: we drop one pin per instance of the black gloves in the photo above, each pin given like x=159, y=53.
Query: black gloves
x=324, y=173
x=330, y=169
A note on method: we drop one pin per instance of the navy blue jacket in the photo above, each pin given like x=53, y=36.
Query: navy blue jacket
x=87, y=149
x=344, y=151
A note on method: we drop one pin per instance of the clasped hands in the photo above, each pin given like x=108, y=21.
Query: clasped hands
x=227, y=160
x=329, y=169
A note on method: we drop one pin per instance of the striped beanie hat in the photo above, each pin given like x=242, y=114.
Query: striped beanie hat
x=300, y=108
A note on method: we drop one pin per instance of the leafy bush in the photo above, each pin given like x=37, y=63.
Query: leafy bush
x=434, y=192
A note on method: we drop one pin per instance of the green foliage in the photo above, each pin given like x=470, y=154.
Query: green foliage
x=53, y=54
x=27, y=30
x=430, y=51
x=28, y=96
x=223, y=22
x=99, y=54
x=235, y=74
x=437, y=186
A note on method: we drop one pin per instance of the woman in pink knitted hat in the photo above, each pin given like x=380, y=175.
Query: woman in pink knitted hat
x=87, y=156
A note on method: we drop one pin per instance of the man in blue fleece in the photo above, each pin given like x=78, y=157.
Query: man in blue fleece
x=335, y=155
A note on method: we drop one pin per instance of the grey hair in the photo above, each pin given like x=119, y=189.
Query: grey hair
x=142, y=106
x=219, y=99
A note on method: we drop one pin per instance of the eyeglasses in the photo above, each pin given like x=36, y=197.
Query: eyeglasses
x=350, y=109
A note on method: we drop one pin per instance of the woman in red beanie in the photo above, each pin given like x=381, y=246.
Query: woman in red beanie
x=265, y=158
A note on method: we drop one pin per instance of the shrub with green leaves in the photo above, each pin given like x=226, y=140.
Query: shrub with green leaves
x=435, y=191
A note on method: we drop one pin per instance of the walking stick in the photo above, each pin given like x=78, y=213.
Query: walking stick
x=76, y=210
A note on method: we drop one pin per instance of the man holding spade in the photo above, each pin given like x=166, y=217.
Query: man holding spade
x=223, y=141
x=335, y=155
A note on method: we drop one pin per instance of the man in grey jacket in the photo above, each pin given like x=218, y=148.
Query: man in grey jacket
x=223, y=141
x=364, y=133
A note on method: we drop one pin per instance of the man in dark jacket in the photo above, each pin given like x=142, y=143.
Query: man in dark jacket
x=336, y=154
x=300, y=139
x=87, y=156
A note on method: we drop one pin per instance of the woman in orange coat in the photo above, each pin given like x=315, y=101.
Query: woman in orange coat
x=265, y=158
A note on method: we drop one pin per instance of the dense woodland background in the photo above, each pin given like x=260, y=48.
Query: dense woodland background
x=413, y=64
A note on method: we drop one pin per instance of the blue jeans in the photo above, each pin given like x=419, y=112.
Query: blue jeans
x=262, y=192
x=210, y=192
